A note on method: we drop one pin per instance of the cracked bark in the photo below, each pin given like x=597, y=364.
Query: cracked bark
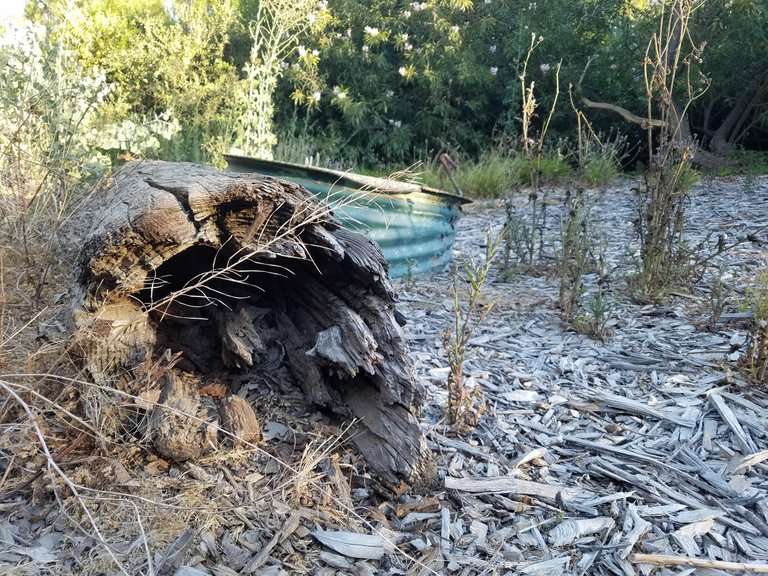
x=238, y=276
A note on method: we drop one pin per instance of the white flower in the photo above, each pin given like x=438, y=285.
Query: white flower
x=339, y=92
x=316, y=96
x=492, y=49
x=365, y=49
x=407, y=14
x=408, y=47
x=614, y=66
x=389, y=93
x=404, y=37
x=544, y=68
x=302, y=52
x=402, y=71
x=494, y=70
x=312, y=18
x=455, y=29
x=284, y=65
x=315, y=52
x=371, y=30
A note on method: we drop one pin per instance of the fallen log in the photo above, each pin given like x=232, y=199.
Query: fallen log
x=192, y=280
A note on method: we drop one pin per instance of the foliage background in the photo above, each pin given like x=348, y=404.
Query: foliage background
x=380, y=82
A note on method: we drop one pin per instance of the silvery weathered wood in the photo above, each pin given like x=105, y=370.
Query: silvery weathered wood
x=230, y=277
x=647, y=423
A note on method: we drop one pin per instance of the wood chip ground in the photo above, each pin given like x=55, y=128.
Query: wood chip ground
x=643, y=454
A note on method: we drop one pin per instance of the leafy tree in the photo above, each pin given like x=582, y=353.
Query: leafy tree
x=403, y=78
x=736, y=62
x=162, y=59
x=731, y=99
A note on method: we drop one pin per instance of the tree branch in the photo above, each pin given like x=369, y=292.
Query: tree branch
x=624, y=113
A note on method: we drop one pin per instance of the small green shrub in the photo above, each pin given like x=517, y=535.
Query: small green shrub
x=466, y=405
x=747, y=162
x=755, y=363
x=488, y=178
x=574, y=253
x=600, y=171
x=540, y=170
x=491, y=176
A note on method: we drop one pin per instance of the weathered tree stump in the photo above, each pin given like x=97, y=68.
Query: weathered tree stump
x=191, y=276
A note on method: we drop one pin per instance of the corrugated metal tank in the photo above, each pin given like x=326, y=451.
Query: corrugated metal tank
x=413, y=224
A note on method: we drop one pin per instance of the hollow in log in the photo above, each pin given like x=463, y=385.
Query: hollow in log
x=190, y=275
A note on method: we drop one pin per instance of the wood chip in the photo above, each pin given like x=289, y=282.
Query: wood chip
x=506, y=485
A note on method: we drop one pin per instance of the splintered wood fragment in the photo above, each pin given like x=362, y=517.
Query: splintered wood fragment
x=635, y=407
x=639, y=527
x=239, y=419
x=288, y=528
x=354, y=545
x=753, y=519
x=630, y=367
x=175, y=551
x=728, y=416
x=569, y=531
x=743, y=402
x=605, y=468
x=636, y=456
x=445, y=530
x=552, y=566
x=460, y=446
x=712, y=478
x=607, y=448
x=507, y=485
x=702, y=514
x=608, y=498
x=528, y=456
x=180, y=425
x=748, y=461
x=668, y=560
x=430, y=504
x=699, y=528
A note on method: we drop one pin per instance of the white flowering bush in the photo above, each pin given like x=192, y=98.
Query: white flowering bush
x=49, y=108
x=55, y=135
x=420, y=76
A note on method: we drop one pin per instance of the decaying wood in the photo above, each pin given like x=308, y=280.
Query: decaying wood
x=290, y=526
x=239, y=419
x=515, y=486
x=181, y=426
x=240, y=277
